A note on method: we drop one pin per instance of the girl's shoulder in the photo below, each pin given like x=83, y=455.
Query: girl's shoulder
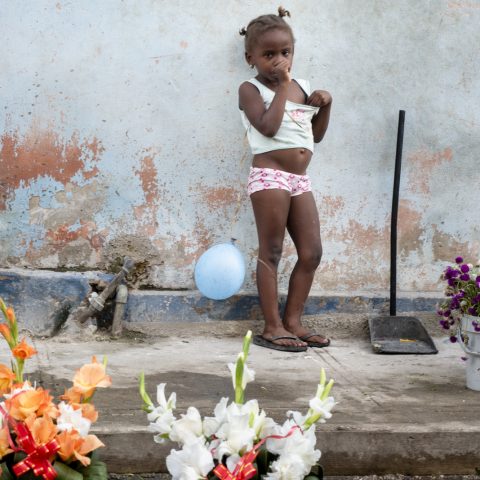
x=267, y=92
x=258, y=85
x=304, y=85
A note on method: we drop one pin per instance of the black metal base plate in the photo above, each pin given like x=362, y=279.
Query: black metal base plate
x=400, y=335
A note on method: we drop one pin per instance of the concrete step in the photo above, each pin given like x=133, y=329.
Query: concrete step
x=397, y=414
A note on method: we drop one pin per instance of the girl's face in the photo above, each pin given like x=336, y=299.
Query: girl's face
x=272, y=48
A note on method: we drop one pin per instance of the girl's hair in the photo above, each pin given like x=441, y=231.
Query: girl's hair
x=264, y=23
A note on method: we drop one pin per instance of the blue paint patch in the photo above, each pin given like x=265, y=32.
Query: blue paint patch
x=40, y=299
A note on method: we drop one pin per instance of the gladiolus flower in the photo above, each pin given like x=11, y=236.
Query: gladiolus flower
x=73, y=446
x=71, y=419
x=31, y=402
x=7, y=334
x=4, y=443
x=459, y=260
x=91, y=376
x=188, y=428
x=194, y=461
x=161, y=417
x=6, y=379
x=72, y=395
x=42, y=429
x=23, y=350
x=88, y=411
x=10, y=314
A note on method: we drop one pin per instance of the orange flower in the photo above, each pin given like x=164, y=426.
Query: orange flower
x=88, y=411
x=91, y=376
x=4, y=444
x=75, y=447
x=72, y=395
x=10, y=314
x=23, y=350
x=6, y=379
x=31, y=402
x=42, y=428
x=5, y=331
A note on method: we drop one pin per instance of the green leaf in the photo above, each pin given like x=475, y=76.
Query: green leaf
x=5, y=472
x=262, y=461
x=97, y=470
x=18, y=457
x=64, y=472
x=315, y=474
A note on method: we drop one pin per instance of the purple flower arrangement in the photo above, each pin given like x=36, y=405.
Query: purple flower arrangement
x=462, y=296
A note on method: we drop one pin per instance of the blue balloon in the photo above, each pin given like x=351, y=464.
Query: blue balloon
x=220, y=271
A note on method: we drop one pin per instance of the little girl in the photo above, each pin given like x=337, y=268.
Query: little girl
x=283, y=119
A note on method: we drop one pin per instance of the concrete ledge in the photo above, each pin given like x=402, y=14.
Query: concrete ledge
x=396, y=414
x=43, y=299
x=343, y=453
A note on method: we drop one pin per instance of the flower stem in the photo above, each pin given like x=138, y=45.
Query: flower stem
x=146, y=399
x=239, y=393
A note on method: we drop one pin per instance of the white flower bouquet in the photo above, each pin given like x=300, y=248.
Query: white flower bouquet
x=239, y=441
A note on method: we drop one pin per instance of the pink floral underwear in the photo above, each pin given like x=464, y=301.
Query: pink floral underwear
x=269, y=178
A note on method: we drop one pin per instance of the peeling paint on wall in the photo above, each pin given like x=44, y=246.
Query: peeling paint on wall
x=42, y=153
x=423, y=163
x=445, y=245
x=131, y=143
x=147, y=212
x=410, y=232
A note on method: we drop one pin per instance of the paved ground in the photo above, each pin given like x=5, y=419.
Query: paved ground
x=402, y=414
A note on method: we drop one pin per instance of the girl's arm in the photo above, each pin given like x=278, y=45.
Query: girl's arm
x=266, y=120
x=322, y=99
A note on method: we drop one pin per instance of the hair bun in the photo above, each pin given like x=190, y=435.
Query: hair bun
x=282, y=12
x=242, y=31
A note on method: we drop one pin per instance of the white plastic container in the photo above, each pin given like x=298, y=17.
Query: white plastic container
x=469, y=340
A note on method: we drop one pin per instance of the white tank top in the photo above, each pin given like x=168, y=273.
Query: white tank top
x=295, y=130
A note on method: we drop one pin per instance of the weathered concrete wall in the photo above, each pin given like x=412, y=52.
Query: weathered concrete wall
x=120, y=134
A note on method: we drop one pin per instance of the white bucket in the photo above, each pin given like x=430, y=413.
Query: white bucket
x=469, y=340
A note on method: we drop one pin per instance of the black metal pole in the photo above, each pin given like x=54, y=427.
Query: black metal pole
x=393, y=228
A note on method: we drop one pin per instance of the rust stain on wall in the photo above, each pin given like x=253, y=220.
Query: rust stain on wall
x=409, y=228
x=363, y=254
x=462, y=4
x=147, y=212
x=65, y=234
x=330, y=205
x=192, y=246
x=67, y=246
x=44, y=153
x=421, y=165
x=446, y=247
x=219, y=197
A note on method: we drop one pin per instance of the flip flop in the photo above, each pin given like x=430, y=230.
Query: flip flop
x=269, y=343
x=305, y=338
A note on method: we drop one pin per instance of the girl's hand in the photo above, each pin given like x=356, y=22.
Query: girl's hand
x=319, y=98
x=281, y=70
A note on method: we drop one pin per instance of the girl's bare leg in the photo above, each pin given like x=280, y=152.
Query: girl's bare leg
x=304, y=228
x=271, y=210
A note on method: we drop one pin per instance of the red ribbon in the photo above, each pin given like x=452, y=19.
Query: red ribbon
x=37, y=455
x=245, y=469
